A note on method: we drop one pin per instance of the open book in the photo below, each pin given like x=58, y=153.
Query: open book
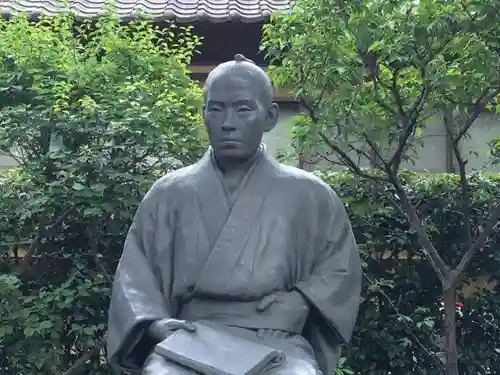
x=211, y=351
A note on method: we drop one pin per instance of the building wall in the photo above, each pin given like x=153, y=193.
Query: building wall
x=279, y=139
x=434, y=153
x=488, y=127
x=6, y=162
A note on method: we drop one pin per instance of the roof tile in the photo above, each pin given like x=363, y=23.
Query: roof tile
x=184, y=11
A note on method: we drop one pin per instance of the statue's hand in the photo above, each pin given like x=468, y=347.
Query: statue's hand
x=267, y=301
x=161, y=329
x=292, y=306
x=293, y=300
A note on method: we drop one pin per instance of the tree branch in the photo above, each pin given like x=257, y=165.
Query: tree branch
x=477, y=107
x=420, y=101
x=442, y=270
x=395, y=93
x=94, y=251
x=406, y=209
x=376, y=151
x=472, y=18
x=464, y=182
x=478, y=244
x=73, y=370
x=346, y=159
x=348, y=162
x=376, y=83
x=42, y=232
x=409, y=119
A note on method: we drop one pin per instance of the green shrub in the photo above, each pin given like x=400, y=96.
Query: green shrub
x=400, y=325
x=93, y=112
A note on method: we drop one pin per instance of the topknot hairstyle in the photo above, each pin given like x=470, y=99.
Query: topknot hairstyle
x=245, y=68
x=240, y=58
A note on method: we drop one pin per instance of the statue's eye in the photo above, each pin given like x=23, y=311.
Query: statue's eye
x=214, y=109
x=244, y=109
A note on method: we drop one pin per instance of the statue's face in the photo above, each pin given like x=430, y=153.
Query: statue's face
x=236, y=116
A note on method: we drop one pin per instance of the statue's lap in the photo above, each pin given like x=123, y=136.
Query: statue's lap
x=156, y=365
x=299, y=355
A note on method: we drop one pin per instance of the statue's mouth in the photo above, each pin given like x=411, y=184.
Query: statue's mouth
x=230, y=142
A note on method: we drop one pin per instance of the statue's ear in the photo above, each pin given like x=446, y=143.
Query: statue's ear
x=273, y=113
x=204, y=114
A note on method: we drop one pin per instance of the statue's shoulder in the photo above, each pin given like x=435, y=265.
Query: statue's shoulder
x=294, y=176
x=173, y=181
x=305, y=187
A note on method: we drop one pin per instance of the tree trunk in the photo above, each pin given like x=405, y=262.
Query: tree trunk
x=450, y=331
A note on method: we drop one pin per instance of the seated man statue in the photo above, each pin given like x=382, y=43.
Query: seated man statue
x=238, y=239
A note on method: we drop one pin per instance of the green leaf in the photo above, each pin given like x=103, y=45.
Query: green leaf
x=29, y=331
x=46, y=324
x=98, y=188
x=78, y=186
x=92, y=211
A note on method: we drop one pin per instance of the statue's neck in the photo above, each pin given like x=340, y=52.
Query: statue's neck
x=234, y=166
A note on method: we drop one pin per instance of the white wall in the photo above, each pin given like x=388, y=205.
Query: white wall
x=431, y=156
x=6, y=162
x=279, y=139
x=486, y=128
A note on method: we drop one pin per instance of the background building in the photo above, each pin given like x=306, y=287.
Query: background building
x=235, y=26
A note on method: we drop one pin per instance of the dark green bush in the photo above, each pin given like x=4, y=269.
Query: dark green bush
x=400, y=326
x=94, y=113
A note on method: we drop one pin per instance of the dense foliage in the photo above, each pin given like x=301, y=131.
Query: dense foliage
x=372, y=75
x=93, y=112
x=400, y=327
x=378, y=70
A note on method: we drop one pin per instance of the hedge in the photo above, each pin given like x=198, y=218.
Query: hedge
x=400, y=324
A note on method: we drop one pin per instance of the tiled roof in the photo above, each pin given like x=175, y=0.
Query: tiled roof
x=185, y=11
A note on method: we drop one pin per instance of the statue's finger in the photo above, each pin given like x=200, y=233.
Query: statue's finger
x=188, y=326
x=161, y=331
x=173, y=325
x=263, y=304
x=266, y=302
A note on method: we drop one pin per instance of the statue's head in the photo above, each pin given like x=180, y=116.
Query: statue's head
x=238, y=108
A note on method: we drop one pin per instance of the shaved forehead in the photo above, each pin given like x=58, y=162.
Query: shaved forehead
x=245, y=69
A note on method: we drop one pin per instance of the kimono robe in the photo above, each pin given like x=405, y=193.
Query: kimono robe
x=196, y=252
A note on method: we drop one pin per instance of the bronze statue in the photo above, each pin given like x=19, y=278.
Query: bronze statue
x=262, y=249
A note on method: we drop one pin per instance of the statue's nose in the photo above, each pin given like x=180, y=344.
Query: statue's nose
x=228, y=124
x=228, y=127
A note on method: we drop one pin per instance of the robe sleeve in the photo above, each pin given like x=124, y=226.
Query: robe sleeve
x=334, y=287
x=137, y=297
